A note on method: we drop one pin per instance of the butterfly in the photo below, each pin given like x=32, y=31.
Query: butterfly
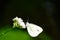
x=33, y=29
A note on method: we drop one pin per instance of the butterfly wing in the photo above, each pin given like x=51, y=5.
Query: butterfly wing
x=33, y=29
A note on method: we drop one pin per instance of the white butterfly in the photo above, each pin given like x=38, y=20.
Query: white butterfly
x=33, y=30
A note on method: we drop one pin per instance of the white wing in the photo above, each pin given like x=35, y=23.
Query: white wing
x=18, y=22
x=33, y=29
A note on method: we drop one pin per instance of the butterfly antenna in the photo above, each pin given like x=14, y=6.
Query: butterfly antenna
x=27, y=19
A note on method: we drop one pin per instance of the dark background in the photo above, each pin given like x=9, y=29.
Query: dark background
x=41, y=12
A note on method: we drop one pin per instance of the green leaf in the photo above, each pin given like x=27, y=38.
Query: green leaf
x=8, y=33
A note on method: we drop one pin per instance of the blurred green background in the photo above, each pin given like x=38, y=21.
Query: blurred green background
x=40, y=12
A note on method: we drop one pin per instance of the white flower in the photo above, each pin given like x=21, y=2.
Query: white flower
x=18, y=22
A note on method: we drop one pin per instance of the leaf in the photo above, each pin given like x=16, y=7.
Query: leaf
x=8, y=33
